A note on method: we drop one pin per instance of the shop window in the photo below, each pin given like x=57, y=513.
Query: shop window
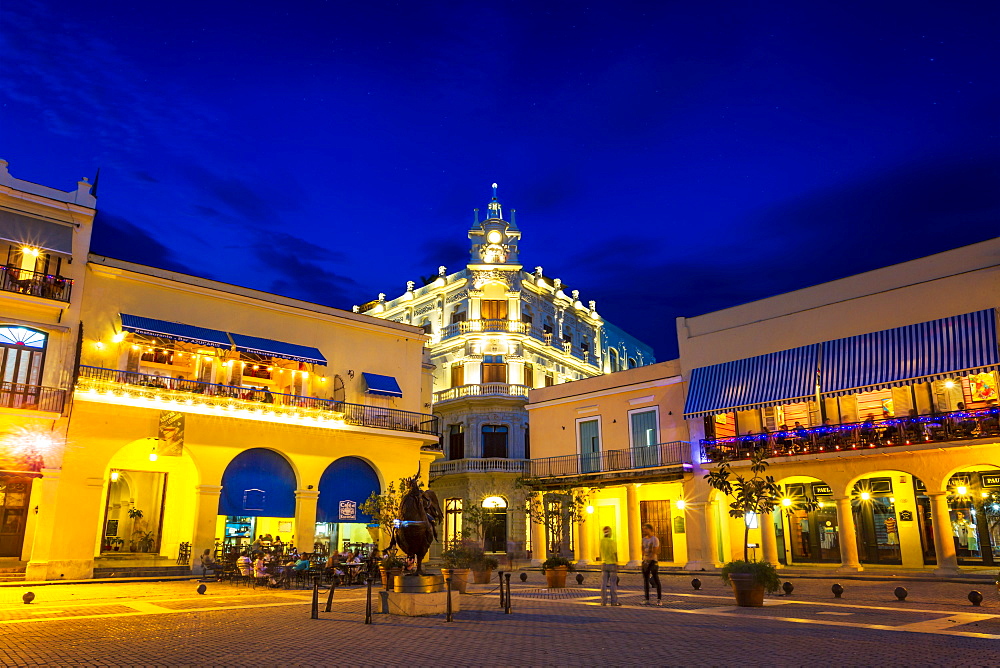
x=452, y=521
x=457, y=375
x=133, y=511
x=529, y=375
x=494, y=440
x=495, y=524
x=493, y=309
x=494, y=369
x=876, y=524
x=657, y=513
x=974, y=508
x=812, y=529
x=456, y=442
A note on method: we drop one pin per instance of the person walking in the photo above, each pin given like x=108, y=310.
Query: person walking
x=609, y=568
x=650, y=563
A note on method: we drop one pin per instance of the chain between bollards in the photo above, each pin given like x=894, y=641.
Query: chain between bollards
x=448, y=605
x=368, y=601
x=329, y=597
x=506, y=609
x=315, y=600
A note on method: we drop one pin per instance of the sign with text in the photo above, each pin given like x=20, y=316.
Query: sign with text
x=171, y=434
x=348, y=510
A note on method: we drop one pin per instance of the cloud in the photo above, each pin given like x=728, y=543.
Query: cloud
x=116, y=237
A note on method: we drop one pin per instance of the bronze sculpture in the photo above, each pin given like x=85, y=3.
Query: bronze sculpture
x=416, y=528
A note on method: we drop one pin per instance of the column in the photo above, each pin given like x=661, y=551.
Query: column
x=68, y=523
x=577, y=541
x=206, y=520
x=712, y=513
x=305, y=518
x=586, y=543
x=944, y=545
x=539, y=550
x=849, y=560
x=769, y=539
x=696, y=533
x=633, y=519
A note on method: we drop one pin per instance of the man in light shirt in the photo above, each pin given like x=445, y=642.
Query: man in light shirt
x=650, y=563
x=609, y=568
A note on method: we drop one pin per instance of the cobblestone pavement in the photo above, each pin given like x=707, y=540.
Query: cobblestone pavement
x=170, y=624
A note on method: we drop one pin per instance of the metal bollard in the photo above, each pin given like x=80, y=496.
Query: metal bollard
x=506, y=610
x=368, y=602
x=448, y=605
x=315, y=602
x=329, y=597
x=500, y=577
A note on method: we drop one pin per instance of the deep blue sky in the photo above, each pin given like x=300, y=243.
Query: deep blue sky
x=665, y=158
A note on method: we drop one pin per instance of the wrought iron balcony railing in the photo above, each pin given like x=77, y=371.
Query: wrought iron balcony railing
x=675, y=454
x=489, y=325
x=47, y=286
x=486, y=465
x=893, y=432
x=193, y=392
x=32, y=397
x=482, y=390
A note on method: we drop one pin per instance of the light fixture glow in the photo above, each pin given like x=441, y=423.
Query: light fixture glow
x=119, y=337
x=949, y=384
x=590, y=510
x=786, y=502
x=680, y=504
x=494, y=502
x=984, y=494
x=114, y=476
x=892, y=499
x=962, y=489
x=865, y=496
x=494, y=237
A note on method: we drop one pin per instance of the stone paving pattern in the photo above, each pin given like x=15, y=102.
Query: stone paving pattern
x=543, y=630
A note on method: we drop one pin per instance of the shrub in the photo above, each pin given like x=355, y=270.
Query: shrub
x=763, y=572
x=552, y=562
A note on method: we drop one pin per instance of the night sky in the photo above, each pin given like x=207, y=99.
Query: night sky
x=664, y=158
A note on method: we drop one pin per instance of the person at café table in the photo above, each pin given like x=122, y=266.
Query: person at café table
x=276, y=543
x=244, y=564
x=302, y=564
x=868, y=428
x=967, y=424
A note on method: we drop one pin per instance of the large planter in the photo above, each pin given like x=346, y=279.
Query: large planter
x=748, y=593
x=388, y=575
x=459, y=578
x=482, y=577
x=555, y=577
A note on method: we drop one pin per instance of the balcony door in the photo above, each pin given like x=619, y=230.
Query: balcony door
x=590, y=445
x=644, y=434
x=494, y=369
x=22, y=354
x=494, y=440
x=493, y=309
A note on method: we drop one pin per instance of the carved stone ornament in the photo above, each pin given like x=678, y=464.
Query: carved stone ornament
x=481, y=278
x=458, y=296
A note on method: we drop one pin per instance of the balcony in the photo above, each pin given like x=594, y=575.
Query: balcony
x=46, y=286
x=488, y=465
x=145, y=390
x=32, y=397
x=482, y=390
x=664, y=461
x=956, y=426
x=493, y=325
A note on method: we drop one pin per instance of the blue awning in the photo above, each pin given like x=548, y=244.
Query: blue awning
x=343, y=488
x=959, y=345
x=784, y=377
x=175, y=331
x=382, y=385
x=269, y=348
x=258, y=483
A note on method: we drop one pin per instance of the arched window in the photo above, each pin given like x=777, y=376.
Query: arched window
x=22, y=354
x=613, y=362
x=495, y=524
x=494, y=440
x=631, y=363
x=452, y=521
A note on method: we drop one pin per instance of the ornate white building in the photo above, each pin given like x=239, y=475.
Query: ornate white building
x=497, y=331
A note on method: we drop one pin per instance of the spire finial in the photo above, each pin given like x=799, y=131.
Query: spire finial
x=494, y=206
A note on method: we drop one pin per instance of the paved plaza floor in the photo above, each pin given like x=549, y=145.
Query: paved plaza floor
x=170, y=624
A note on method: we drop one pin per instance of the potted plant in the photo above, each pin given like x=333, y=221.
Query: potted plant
x=555, y=569
x=116, y=543
x=483, y=566
x=752, y=494
x=557, y=511
x=456, y=562
x=390, y=567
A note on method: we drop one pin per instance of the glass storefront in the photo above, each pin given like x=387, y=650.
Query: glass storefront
x=345, y=536
x=876, y=523
x=974, y=510
x=812, y=535
x=134, y=511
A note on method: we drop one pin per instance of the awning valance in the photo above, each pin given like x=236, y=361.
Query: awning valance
x=270, y=348
x=175, y=331
x=958, y=345
x=783, y=377
x=382, y=385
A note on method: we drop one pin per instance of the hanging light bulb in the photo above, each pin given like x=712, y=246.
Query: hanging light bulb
x=152, y=455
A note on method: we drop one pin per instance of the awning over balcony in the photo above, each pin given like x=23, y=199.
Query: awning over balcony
x=783, y=377
x=269, y=348
x=175, y=331
x=29, y=231
x=385, y=386
x=959, y=345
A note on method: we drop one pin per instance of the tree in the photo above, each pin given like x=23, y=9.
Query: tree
x=557, y=511
x=384, y=508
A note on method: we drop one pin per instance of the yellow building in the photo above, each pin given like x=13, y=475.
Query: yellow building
x=206, y=414
x=876, y=399
x=620, y=440
x=46, y=235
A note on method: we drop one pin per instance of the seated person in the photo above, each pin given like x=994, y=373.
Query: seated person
x=244, y=564
x=302, y=564
x=260, y=567
x=868, y=431
x=208, y=563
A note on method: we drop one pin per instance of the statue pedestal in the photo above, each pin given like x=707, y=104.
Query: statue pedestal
x=418, y=604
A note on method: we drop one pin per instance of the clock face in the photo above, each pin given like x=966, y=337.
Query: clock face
x=494, y=237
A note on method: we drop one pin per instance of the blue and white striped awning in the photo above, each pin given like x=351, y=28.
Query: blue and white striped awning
x=944, y=348
x=272, y=348
x=784, y=377
x=175, y=331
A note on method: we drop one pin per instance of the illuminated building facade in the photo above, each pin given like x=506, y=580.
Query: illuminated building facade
x=198, y=414
x=497, y=331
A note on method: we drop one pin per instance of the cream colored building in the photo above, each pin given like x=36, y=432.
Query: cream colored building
x=876, y=397
x=496, y=332
x=201, y=413
x=621, y=440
